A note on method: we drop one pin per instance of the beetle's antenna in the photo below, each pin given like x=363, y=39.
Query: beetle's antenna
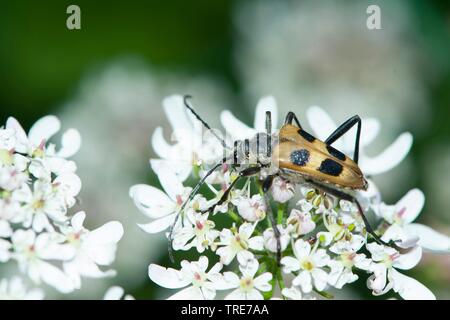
x=206, y=125
x=189, y=198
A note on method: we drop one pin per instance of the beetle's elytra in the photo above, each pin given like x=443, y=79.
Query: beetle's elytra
x=299, y=153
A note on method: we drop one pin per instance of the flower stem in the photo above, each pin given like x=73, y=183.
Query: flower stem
x=280, y=213
x=234, y=216
x=280, y=279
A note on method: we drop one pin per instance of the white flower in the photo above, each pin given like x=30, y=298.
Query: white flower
x=199, y=233
x=308, y=263
x=93, y=248
x=201, y=285
x=401, y=217
x=44, y=158
x=48, y=200
x=157, y=205
x=237, y=242
x=252, y=209
x=323, y=126
x=14, y=289
x=342, y=266
x=116, y=293
x=282, y=190
x=340, y=225
x=248, y=286
x=301, y=222
x=38, y=186
x=270, y=241
x=385, y=277
x=32, y=251
x=190, y=147
x=237, y=130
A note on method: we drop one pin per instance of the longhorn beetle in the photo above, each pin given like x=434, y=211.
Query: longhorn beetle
x=293, y=154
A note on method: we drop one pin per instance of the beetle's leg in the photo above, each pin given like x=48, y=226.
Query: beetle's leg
x=342, y=129
x=291, y=116
x=189, y=198
x=269, y=133
x=265, y=187
x=345, y=196
x=244, y=173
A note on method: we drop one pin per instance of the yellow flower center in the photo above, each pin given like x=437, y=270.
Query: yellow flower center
x=38, y=204
x=238, y=243
x=246, y=284
x=307, y=265
x=6, y=157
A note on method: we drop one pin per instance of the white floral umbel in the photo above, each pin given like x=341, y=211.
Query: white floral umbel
x=38, y=186
x=323, y=239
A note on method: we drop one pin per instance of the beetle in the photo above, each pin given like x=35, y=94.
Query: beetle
x=295, y=155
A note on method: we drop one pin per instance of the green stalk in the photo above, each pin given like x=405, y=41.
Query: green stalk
x=234, y=216
x=280, y=213
x=280, y=279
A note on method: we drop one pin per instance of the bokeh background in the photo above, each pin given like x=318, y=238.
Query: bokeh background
x=108, y=80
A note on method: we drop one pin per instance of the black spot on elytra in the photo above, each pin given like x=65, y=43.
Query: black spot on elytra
x=336, y=153
x=330, y=167
x=306, y=135
x=300, y=157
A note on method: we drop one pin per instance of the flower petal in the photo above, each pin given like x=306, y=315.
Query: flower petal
x=290, y=264
x=410, y=205
x=21, y=136
x=303, y=280
x=176, y=112
x=190, y=293
x=429, y=239
x=44, y=129
x=320, y=279
x=234, y=127
x=409, y=288
x=409, y=260
x=237, y=294
x=167, y=277
x=292, y=293
x=262, y=282
x=322, y=125
x=54, y=277
x=369, y=131
x=114, y=293
x=78, y=220
x=301, y=249
x=182, y=169
x=390, y=157
x=70, y=143
x=158, y=225
x=160, y=145
x=110, y=232
x=151, y=201
x=170, y=182
x=256, y=243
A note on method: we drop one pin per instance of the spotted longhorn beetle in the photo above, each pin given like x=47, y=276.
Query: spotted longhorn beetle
x=296, y=155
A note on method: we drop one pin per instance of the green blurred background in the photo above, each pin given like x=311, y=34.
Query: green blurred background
x=108, y=79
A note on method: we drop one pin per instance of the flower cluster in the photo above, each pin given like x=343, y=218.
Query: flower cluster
x=323, y=239
x=38, y=186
